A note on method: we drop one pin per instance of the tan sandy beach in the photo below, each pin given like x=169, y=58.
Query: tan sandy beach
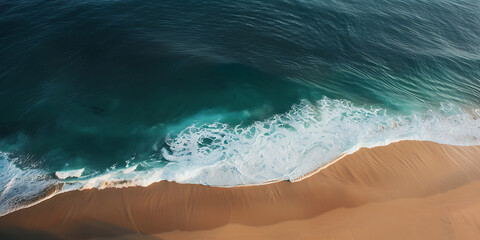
x=406, y=190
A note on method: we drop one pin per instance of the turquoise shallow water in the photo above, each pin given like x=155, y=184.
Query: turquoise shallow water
x=224, y=93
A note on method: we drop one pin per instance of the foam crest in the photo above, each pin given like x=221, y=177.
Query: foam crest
x=69, y=173
x=20, y=187
x=290, y=145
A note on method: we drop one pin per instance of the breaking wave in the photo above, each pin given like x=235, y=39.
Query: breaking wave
x=283, y=147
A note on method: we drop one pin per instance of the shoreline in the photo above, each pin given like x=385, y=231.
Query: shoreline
x=57, y=189
x=400, y=170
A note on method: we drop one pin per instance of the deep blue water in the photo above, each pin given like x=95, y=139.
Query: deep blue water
x=225, y=92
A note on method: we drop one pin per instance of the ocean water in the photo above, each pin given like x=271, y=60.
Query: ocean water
x=119, y=93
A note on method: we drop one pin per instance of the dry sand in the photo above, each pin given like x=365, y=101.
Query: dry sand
x=406, y=190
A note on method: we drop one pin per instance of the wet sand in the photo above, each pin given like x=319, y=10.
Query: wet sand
x=406, y=190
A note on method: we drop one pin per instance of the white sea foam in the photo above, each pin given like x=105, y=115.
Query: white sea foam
x=284, y=147
x=19, y=187
x=69, y=173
